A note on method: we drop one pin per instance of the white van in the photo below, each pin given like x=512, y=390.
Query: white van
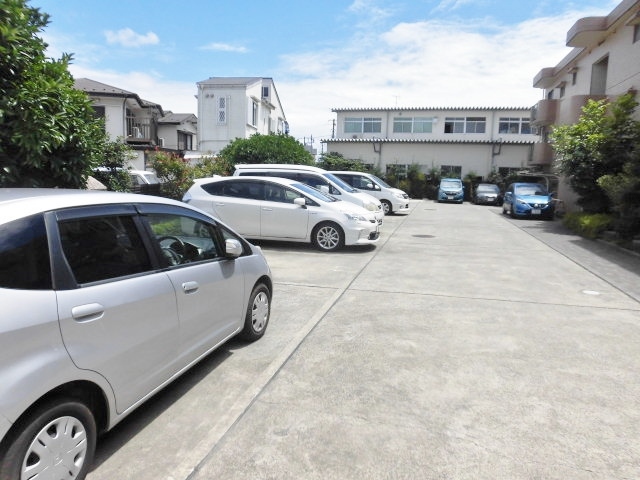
x=393, y=200
x=317, y=178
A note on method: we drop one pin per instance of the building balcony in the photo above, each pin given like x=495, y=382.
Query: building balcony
x=140, y=130
x=544, y=113
x=587, y=32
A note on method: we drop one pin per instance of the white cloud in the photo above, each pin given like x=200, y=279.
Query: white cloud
x=128, y=38
x=225, y=47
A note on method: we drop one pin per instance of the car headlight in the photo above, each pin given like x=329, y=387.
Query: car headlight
x=521, y=202
x=398, y=195
x=372, y=207
x=355, y=217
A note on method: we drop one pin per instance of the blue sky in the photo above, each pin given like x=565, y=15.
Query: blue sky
x=321, y=54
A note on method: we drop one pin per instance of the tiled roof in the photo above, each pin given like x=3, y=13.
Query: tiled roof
x=403, y=109
x=91, y=86
x=176, y=117
x=426, y=140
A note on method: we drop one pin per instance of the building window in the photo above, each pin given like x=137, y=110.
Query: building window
x=454, y=125
x=514, y=125
x=402, y=125
x=372, y=125
x=254, y=113
x=412, y=125
x=636, y=33
x=574, y=77
x=222, y=110
x=476, y=125
x=362, y=125
x=562, y=90
x=465, y=125
x=422, y=125
x=185, y=141
x=265, y=92
x=451, y=171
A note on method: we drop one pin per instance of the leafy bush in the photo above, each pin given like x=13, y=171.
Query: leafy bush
x=589, y=225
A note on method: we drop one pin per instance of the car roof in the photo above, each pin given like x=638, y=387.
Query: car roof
x=281, y=166
x=21, y=202
x=282, y=181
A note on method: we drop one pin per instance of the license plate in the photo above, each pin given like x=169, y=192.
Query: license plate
x=450, y=197
x=536, y=211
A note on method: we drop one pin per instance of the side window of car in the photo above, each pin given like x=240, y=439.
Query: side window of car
x=275, y=193
x=183, y=239
x=101, y=248
x=24, y=255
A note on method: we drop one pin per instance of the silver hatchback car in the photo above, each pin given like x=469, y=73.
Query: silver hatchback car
x=105, y=298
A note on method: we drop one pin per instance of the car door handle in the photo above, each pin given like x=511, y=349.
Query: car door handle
x=190, y=287
x=88, y=312
x=267, y=209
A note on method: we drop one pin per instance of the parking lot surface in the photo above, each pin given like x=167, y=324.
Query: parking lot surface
x=464, y=345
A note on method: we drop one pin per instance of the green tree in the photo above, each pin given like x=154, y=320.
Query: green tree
x=623, y=187
x=175, y=173
x=266, y=149
x=584, y=154
x=49, y=136
x=209, y=166
x=336, y=161
x=113, y=171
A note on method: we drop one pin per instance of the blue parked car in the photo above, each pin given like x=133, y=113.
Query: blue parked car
x=528, y=200
x=451, y=190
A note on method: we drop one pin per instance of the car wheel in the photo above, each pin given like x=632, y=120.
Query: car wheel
x=512, y=212
x=328, y=237
x=258, y=312
x=386, y=207
x=57, y=441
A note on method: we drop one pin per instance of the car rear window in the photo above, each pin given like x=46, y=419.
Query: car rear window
x=24, y=255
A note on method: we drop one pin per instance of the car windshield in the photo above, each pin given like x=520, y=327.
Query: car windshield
x=533, y=189
x=151, y=177
x=488, y=188
x=381, y=182
x=317, y=194
x=450, y=183
x=341, y=183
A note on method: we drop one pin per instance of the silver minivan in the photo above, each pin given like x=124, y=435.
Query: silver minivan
x=105, y=298
x=318, y=178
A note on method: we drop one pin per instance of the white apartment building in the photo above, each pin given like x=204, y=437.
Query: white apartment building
x=237, y=107
x=603, y=64
x=454, y=141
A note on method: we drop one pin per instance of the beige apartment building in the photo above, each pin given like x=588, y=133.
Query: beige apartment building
x=454, y=141
x=603, y=64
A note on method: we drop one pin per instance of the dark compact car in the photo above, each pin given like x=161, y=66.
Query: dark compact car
x=528, y=200
x=487, y=194
x=105, y=298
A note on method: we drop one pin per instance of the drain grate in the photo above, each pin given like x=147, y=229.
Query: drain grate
x=424, y=236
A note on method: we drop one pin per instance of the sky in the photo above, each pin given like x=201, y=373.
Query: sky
x=321, y=55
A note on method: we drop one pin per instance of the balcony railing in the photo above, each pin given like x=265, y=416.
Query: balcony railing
x=139, y=130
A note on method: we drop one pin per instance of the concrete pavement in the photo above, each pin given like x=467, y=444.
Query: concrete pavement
x=465, y=345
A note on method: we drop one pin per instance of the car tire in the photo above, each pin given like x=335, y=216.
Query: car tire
x=59, y=436
x=387, y=208
x=328, y=237
x=258, y=312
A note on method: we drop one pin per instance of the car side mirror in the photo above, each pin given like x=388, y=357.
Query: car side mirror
x=324, y=189
x=301, y=201
x=232, y=248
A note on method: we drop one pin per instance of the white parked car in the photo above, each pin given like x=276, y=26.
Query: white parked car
x=273, y=208
x=393, y=199
x=315, y=177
